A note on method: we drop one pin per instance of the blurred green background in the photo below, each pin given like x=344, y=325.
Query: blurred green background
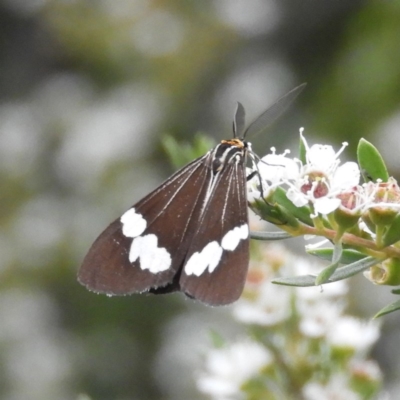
x=88, y=88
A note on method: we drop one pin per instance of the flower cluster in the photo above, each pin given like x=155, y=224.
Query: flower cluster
x=316, y=195
x=300, y=342
x=320, y=182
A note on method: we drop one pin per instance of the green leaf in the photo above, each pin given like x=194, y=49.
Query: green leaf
x=328, y=272
x=388, y=309
x=353, y=269
x=340, y=273
x=298, y=281
x=182, y=153
x=273, y=213
x=348, y=255
x=371, y=162
x=396, y=291
x=301, y=213
x=392, y=235
x=269, y=235
x=217, y=339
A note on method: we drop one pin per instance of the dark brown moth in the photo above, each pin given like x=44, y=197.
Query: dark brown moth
x=190, y=234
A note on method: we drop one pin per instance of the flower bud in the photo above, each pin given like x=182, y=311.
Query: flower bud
x=382, y=215
x=386, y=201
x=386, y=273
x=345, y=218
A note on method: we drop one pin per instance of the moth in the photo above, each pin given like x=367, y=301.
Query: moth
x=191, y=234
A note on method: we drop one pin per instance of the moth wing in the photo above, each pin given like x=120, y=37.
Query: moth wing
x=216, y=263
x=144, y=248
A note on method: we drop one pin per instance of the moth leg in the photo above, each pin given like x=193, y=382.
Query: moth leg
x=255, y=158
x=256, y=172
x=251, y=176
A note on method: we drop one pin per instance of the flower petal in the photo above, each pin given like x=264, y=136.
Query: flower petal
x=325, y=205
x=296, y=197
x=321, y=156
x=276, y=168
x=346, y=176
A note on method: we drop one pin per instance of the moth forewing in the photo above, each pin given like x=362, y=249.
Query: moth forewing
x=125, y=259
x=216, y=264
x=201, y=206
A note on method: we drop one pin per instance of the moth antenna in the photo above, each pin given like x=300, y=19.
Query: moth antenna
x=239, y=120
x=274, y=112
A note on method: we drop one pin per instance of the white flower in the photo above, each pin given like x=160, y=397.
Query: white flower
x=269, y=306
x=349, y=332
x=318, y=318
x=277, y=168
x=383, y=195
x=336, y=389
x=366, y=370
x=321, y=179
x=271, y=171
x=253, y=187
x=229, y=368
x=318, y=182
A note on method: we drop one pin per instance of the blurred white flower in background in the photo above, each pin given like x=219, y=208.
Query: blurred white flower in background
x=38, y=355
x=336, y=388
x=109, y=130
x=301, y=333
x=249, y=17
x=354, y=334
x=269, y=306
x=226, y=369
x=319, y=317
x=159, y=33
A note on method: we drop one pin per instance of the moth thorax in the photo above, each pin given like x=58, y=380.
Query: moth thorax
x=228, y=151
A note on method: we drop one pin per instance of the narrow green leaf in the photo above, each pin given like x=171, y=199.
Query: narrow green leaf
x=328, y=272
x=392, y=235
x=298, y=281
x=301, y=213
x=348, y=255
x=396, y=291
x=353, y=269
x=339, y=274
x=388, y=309
x=371, y=162
x=269, y=235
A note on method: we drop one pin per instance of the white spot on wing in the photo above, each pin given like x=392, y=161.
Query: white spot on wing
x=152, y=257
x=209, y=257
x=133, y=224
x=231, y=239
